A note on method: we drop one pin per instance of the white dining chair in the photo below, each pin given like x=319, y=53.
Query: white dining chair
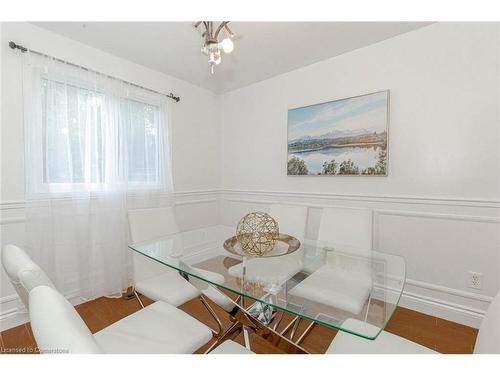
x=138, y=330
x=156, y=281
x=23, y=273
x=352, y=226
x=151, y=279
x=385, y=343
x=345, y=280
x=231, y=347
x=337, y=284
x=292, y=220
x=487, y=341
x=159, y=328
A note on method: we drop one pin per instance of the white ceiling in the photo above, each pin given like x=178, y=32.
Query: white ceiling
x=262, y=49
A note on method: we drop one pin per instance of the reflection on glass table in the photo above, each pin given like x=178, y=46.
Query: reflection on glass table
x=326, y=283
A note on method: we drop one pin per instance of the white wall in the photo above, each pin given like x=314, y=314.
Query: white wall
x=440, y=205
x=443, y=135
x=194, y=137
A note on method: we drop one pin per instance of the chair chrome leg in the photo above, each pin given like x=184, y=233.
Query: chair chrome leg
x=246, y=338
x=278, y=320
x=293, y=324
x=294, y=329
x=138, y=298
x=308, y=329
x=232, y=330
x=285, y=330
x=368, y=307
x=214, y=316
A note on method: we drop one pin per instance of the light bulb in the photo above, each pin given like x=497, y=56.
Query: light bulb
x=227, y=45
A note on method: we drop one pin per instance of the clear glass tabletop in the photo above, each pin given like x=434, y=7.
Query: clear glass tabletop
x=351, y=289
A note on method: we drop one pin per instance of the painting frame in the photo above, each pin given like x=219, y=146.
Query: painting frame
x=387, y=126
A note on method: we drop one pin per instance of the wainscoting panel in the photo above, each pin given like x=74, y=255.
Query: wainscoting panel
x=440, y=239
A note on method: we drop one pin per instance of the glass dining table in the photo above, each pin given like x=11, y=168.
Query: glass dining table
x=335, y=285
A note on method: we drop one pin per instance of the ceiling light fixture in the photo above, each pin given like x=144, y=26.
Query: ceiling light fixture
x=211, y=45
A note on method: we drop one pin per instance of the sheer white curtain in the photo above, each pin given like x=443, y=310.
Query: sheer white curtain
x=94, y=147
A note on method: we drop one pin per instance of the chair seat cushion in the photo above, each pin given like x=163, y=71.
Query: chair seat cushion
x=336, y=287
x=169, y=287
x=267, y=269
x=159, y=328
x=231, y=347
x=219, y=298
x=385, y=343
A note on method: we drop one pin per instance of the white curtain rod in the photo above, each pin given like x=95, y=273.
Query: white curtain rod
x=14, y=45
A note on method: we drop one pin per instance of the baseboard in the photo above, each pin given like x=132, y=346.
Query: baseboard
x=442, y=309
x=14, y=316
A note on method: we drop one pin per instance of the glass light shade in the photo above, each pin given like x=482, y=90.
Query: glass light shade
x=217, y=57
x=227, y=45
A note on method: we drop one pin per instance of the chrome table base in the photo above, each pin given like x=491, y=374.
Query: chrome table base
x=246, y=323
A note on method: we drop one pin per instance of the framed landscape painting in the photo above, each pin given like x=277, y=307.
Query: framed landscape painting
x=346, y=137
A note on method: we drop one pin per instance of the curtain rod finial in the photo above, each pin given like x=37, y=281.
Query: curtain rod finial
x=13, y=45
x=172, y=96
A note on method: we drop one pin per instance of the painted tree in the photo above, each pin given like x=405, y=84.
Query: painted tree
x=330, y=167
x=348, y=167
x=381, y=166
x=297, y=166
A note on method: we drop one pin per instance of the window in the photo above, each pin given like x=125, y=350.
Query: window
x=88, y=136
x=142, y=141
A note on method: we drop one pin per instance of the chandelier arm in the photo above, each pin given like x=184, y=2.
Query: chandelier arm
x=231, y=34
x=206, y=33
x=221, y=26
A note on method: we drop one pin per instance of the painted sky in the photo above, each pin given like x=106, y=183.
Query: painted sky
x=362, y=112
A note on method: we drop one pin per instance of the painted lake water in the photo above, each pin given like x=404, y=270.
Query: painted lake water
x=362, y=157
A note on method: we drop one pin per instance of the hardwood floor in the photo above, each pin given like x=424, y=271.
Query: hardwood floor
x=435, y=333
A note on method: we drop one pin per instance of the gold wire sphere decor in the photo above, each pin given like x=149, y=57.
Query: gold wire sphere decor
x=257, y=233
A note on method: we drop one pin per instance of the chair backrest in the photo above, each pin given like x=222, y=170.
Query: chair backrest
x=151, y=223
x=291, y=219
x=23, y=273
x=57, y=326
x=347, y=226
x=488, y=338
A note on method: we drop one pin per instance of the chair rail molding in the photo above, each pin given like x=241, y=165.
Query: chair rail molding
x=235, y=194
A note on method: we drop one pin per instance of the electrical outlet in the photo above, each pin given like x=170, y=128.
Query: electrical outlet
x=475, y=280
